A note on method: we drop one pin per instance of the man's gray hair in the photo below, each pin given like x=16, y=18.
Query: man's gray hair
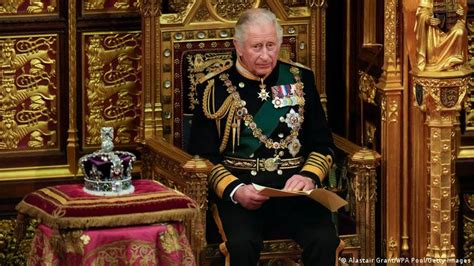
x=256, y=16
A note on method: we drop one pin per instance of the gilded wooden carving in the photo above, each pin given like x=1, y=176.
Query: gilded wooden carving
x=178, y=11
x=28, y=7
x=112, y=85
x=469, y=120
x=364, y=164
x=29, y=93
x=437, y=35
x=468, y=226
x=367, y=88
x=391, y=88
x=178, y=6
x=228, y=10
x=468, y=239
x=95, y=6
x=15, y=251
x=441, y=97
x=443, y=92
x=390, y=36
x=72, y=139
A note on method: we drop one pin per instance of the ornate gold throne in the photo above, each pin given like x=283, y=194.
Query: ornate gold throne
x=184, y=40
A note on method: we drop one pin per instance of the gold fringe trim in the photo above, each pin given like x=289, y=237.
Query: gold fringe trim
x=66, y=200
x=105, y=221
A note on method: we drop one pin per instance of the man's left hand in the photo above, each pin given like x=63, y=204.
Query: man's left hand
x=299, y=182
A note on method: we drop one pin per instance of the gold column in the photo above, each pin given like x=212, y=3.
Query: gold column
x=72, y=139
x=364, y=185
x=440, y=96
x=151, y=122
x=318, y=46
x=391, y=86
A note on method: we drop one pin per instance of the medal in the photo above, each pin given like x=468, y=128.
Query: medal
x=263, y=94
x=294, y=147
x=277, y=103
x=287, y=95
x=293, y=119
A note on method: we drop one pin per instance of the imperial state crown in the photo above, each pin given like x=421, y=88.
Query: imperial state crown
x=107, y=172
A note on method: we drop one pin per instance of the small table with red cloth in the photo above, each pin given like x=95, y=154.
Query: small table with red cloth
x=141, y=228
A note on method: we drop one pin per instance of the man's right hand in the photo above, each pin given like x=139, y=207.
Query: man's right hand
x=247, y=196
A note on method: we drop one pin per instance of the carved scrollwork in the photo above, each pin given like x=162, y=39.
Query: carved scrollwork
x=390, y=34
x=149, y=7
x=110, y=5
x=469, y=201
x=390, y=109
x=32, y=7
x=202, y=14
x=364, y=184
x=290, y=252
x=393, y=111
x=229, y=10
x=14, y=249
x=442, y=93
x=318, y=3
x=367, y=88
x=281, y=246
x=179, y=11
x=470, y=102
x=468, y=237
x=178, y=6
x=392, y=248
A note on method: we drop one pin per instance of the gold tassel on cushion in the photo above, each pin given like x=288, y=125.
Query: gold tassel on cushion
x=107, y=220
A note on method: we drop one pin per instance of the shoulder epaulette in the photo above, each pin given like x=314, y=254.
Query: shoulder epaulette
x=214, y=73
x=287, y=61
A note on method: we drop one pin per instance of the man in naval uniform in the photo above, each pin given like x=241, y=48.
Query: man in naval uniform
x=261, y=121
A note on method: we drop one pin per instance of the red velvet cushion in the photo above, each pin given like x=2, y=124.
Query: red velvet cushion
x=68, y=206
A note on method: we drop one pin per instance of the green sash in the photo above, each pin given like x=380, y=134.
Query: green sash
x=267, y=118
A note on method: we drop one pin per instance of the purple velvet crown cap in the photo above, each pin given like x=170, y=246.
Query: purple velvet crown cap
x=101, y=166
x=107, y=172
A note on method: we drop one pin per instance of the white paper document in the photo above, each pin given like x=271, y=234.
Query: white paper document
x=327, y=198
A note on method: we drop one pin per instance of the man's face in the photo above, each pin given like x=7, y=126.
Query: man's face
x=259, y=51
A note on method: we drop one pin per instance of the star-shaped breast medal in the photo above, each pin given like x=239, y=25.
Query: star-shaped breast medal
x=263, y=94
